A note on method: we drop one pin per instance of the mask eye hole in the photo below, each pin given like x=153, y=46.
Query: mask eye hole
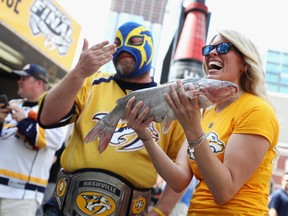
x=117, y=42
x=136, y=40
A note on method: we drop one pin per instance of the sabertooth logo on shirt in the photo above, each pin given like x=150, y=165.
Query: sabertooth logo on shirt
x=48, y=20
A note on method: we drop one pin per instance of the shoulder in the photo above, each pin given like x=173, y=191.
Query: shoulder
x=277, y=193
x=251, y=103
x=254, y=115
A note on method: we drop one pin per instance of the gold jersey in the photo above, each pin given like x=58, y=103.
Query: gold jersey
x=125, y=155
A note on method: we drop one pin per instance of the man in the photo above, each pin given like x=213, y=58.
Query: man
x=26, y=149
x=278, y=205
x=118, y=181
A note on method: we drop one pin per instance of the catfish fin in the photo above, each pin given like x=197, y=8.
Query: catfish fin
x=191, y=93
x=101, y=132
x=93, y=134
x=204, y=102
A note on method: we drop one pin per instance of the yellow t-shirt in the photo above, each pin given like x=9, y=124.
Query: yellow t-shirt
x=125, y=155
x=250, y=115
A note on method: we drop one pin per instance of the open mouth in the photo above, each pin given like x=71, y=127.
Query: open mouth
x=215, y=65
x=124, y=55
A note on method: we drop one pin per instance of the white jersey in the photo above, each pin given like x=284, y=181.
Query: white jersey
x=24, y=167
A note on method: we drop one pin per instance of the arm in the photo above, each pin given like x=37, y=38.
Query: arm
x=60, y=99
x=167, y=201
x=243, y=153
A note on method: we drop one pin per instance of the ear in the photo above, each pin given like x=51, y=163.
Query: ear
x=244, y=67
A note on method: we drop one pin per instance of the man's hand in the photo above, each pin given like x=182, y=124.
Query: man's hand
x=3, y=112
x=91, y=59
x=17, y=113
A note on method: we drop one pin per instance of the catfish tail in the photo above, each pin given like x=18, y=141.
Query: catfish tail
x=101, y=131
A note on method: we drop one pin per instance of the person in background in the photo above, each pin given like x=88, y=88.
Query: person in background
x=27, y=150
x=117, y=181
x=278, y=204
x=231, y=148
x=50, y=188
x=182, y=205
x=156, y=192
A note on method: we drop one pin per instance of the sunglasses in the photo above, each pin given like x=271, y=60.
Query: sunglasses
x=221, y=48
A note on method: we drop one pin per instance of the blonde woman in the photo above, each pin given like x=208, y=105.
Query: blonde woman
x=230, y=150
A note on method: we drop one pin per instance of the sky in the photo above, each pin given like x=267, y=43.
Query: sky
x=263, y=21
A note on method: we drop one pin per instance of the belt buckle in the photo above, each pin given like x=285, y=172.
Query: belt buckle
x=97, y=193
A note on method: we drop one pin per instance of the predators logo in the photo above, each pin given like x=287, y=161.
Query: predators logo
x=61, y=187
x=92, y=203
x=138, y=205
x=125, y=139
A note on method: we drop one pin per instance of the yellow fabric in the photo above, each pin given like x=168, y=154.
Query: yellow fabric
x=158, y=211
x=249, y=115
x=127, y=158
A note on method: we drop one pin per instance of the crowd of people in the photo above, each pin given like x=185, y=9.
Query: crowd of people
x=225, y=154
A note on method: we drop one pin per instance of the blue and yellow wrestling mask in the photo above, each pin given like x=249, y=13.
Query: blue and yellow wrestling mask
x=142, y=51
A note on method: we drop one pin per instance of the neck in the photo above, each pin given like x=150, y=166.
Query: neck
x=145, y=78
x=221, y=106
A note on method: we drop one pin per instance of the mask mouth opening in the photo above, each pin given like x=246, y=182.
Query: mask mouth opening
x=125, y=69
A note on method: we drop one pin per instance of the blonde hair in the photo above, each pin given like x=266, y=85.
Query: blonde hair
x=253, y=79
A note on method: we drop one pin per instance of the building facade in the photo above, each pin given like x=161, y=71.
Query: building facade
x=276, y=64
x=276, y=67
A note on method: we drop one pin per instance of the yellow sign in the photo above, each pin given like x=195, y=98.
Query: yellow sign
x=45, y=26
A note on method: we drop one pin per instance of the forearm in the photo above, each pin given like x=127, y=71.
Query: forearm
x=60, y=99
x=168, y=200
x=179, y=175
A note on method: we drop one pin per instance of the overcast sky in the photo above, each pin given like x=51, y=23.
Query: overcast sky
x=263, y=21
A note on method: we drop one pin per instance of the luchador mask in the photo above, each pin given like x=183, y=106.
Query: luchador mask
x=142, y=50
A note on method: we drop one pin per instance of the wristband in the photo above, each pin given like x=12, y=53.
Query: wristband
x=194, y=144
x=158, y=211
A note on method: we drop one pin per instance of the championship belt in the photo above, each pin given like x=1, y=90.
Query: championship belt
x=99, y=192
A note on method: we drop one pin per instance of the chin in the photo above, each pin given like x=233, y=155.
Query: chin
x=213, y=76
x=209, y=76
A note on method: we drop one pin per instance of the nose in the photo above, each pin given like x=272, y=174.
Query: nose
x=213, y=51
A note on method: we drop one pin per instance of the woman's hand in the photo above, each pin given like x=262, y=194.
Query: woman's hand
x=186, y=110
x=136, y=119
